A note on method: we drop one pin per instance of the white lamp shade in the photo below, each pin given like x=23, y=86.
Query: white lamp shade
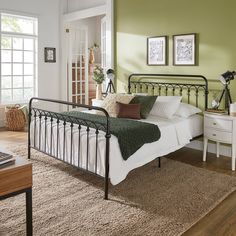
x=222, y=79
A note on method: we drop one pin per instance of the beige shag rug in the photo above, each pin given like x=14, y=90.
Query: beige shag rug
x=150, y=201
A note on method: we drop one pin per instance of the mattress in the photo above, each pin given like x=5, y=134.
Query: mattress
x=175, y=134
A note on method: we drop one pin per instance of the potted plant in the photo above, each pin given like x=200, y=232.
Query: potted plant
x=98, y=77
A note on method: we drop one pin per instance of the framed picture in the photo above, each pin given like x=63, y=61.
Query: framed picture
x=157, y=51
x=184, y=49
x=50, y=54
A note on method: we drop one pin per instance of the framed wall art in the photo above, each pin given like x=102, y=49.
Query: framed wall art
x=184, y=49
x=50, y=55
x=157, y=51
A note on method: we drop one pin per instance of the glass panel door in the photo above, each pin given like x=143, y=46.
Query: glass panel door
x=77, y=66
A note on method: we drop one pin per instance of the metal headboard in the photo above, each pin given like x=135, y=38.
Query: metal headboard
x=144, y=82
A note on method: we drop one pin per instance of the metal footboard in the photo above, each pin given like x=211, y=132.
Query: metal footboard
x=45, y=128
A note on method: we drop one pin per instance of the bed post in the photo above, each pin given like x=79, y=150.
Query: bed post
x=129, y=84
x=107, y=166
x=107, y=156
x=206, y=94
x=159, y=162
x=29, y=121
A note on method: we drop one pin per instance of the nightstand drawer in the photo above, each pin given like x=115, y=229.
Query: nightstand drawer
x=226, y=125
x=217, y=135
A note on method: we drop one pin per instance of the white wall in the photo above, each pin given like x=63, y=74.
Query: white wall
x=48, y=13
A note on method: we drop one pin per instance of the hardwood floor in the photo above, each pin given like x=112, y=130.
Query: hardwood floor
x=221, y=221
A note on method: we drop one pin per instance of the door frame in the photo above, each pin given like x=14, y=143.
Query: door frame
x=106, y=9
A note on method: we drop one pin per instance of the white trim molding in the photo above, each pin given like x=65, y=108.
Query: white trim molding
x=82, y=14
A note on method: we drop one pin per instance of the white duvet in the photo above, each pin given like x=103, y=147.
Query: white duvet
x=175, y=134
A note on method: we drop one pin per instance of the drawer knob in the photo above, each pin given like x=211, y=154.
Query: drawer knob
x=214, y=123
x=213, y=134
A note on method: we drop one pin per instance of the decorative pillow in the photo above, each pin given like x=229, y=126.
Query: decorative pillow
x=131, y=111
x=185, y=110
x=146, y=103
x=109, y=103
x=166, y=106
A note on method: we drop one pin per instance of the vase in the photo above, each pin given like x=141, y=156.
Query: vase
x=99, y=92
x=91, y=56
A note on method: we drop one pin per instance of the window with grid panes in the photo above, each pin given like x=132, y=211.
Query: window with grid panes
x=18, y=58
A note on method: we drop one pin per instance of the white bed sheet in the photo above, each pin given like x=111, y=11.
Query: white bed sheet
x=175, y=134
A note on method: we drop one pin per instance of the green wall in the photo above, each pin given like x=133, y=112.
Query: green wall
x=213, y=20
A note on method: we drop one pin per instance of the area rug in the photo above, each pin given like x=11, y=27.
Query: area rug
x=151, y=201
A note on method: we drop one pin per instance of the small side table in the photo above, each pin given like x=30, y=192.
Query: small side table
x=221, y=129
x=97, y=102
x=16, y=179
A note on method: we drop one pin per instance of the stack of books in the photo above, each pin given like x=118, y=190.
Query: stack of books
x=217, y=111
x=6, y=158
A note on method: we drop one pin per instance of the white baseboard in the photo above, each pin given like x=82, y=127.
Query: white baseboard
x=198, y=145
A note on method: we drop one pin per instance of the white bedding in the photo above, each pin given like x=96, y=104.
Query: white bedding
x=175, y=134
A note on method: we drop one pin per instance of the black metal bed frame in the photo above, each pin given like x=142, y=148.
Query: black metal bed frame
x=46, y=120
x=145, y=85
x=64, y=120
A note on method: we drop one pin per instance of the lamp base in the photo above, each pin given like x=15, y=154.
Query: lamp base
x=110, y=87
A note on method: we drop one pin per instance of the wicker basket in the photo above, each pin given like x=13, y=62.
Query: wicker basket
x=15, y=118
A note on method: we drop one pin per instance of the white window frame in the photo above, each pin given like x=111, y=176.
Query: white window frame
x=35, y=55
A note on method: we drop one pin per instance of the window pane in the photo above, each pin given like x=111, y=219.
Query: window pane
x=6, y=69
x=28, y=93
x=17, y=82
x=28, y=81
x=6, y=82
x=28, y=69
x=17, y=69
x=12, y=23
x=6, y=95
x=17, y=94
x=29, y=44
x=6, y=56
x=18, y=43
x=6, y=42
x=29, y=57
x=17, y=56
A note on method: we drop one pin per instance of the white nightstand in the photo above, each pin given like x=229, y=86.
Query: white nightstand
x=97, y=102
x=221, y=129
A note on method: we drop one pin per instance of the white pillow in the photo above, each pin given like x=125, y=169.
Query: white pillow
x=169, y=98
x=140, y=94
x=185, y=110
x=166, y=106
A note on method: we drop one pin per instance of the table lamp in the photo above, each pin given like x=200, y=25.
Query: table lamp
x=110, y=76
x=225, y=79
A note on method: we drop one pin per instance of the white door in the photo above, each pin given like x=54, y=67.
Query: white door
x=77, y=65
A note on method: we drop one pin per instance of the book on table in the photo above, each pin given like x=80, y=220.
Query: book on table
x=6, y=158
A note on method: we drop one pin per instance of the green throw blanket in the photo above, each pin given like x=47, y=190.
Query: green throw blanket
x=131, y=134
